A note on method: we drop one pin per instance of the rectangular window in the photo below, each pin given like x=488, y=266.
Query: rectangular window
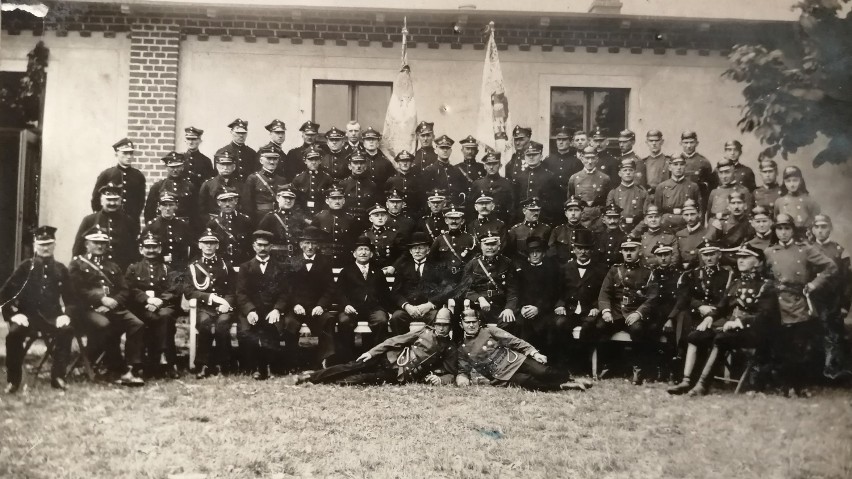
x=338, y=102
x=587, y=108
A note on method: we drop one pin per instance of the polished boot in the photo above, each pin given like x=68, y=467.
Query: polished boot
x=702, y=387
x=689, y=364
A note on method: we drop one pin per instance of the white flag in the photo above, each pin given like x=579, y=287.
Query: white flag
x=493, y=119
x=401, y=117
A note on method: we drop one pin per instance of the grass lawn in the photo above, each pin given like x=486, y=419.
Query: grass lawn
x=236, y=427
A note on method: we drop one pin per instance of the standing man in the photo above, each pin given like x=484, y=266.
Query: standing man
x=199, y=167
x=485, y=221
x=379, y=167
x=470, y=169
x=657, y=162
x=258, y=195
x=337, y=226
x=335, y=162
x=516, y=239
x=742, y=173
x=179, y=184
x=761, y=223
x=131, y=181
x=442, y=175
x=408, y=183
x=697, y=167
x=353, y=137
x=499, y=189
x=691, y=236
x=172, y=232
x=591, y=186
x=560, y=242
x=425, y=154
x=361, y=193
x=32, y=300
x=609, y=241
x=564, y=162
x=535, y=181
x=227, y=178
x=629, y=196
x=312, y=182
x=718, y=201
x=244, y=157
x=277, y=133
x=656, y=234
x=385, y=240
x=770, y=190
x=398, y=216
x=295, y=157
x=671, y=194
x=626, y=141
x=607, y=162
x=121, y=229
x=732, y=228
x=520, y=139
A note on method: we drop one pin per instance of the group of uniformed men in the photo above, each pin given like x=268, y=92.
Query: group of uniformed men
x=283, y=244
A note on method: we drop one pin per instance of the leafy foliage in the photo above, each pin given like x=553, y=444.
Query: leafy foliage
x=21, y=101
x=800, y=87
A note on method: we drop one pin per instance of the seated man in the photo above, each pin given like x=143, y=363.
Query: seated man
x=100, y=304
x=427, y=355
x=153, y=300
x=539, y=288
x=507, y=360
x=260, y=301
x=491, y=283
x=364, y=295
x=421, y=286
x=211, y=283
x=746, y=317
x=32, y=301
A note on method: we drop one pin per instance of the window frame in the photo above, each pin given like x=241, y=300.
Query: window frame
x=352, y=93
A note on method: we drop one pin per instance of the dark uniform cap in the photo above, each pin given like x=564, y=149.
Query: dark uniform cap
x=96, y=233
x=371, y=134
x=309, y=127
x=822, y=219
x=420, y=238
x=123, y=145
x=521, y=132
x=627, y=163
x=768, y=165
x=490, y=237
x=654, y=134
x=404, y=155
x=652, y=210
x=436, y=195
x=110, y=190
x=677, y=159
x=424, y=127
x=362, y=241
x=574, y=200
x=208, y=237
x=583, y=238
x=394, y=195
x=312, y=151
x=612, y=209
x=534, y=148
x=191, y=132
x=784, y=219
x=226, y=192
x=661, y=248
x=469, y=142
x=238, y=125
x=268, y=152
x=563, y=132
x=377, y=208
x=736, y=195
x=535, y=243
x=286, y=190
x=598, y=134
x=276, y=125
x=483, y=198
x=444, y=140
x=531, y=204
x=262, y=234
x=724, y=163
x=707, y=246
x=335, y=134
x=689, y=135
x=626, y=135
x=749, y=250
x=357, y=157
x=491, y=157
x=173, y=158
x=760, y=211
x=150, y=239
x=454, y=211
x=45, y=234
x=224, y=157
x=311, y=233
x=736, y=144
x=167, y=196
x=334, y=191
x=631, y=241
x=689, y=204
x=792, y=171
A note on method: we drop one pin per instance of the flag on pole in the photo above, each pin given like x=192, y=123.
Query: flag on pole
x=401, y=117
x=493, y=119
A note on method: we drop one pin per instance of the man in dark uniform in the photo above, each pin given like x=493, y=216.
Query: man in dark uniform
x=179, y=184
x=295, y=157
x=337, y=226
x=626, y=300
x=433, y=223
x=409, y=184
x=454, y=248
x=207, y=204
x=516, y=238
x=285, y=224
x=630, y=197
x=698, y=168
x=442, y=175
x=361, y=193
x=244, y=157
x=691, y=235
x=559, y=244
x=386, y=242
x=379, y=167
x=154, y=298
x=312, y=182
x=258, y=192
x=657, y=162
x=656, y=233
x=761, y=223
x=310, y=291
x=398, y=217
x=666, y=274
x=607, y=164
x=121, y=229
x=626, y=141
x=485, y=220
x=425, y=154
x=718, y=200
x=99, y=303
x=173, y=233
x=130, y=180
x=671, y=194
x=335, y=161
x=232, y=227
x=199, y=167
x=770, y=190
x=801, y=272
x=520, y=139
x=211, y=283
x=732, y=229
x=536, y=181
x=365, y=298
x=591, y=185
x=260, y=295
x=492, y=284
x=742, y=173
x=277, y=133
x=32, y=300
x=353, y=137
x=563, y=162
x=608, y=247
x=499, y=189
x=470, y=168
x=539, y=289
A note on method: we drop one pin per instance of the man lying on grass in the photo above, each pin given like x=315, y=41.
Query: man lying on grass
x=424, y=355
x=507, y=360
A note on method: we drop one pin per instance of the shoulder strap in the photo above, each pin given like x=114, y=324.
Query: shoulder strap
x=487, y=274
x=265, y=183
x=450, y=245
x=97, y=268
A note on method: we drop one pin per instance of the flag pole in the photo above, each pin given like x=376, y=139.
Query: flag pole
x=404, y=41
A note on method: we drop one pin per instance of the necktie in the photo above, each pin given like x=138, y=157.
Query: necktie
x=365, y=272
x=420, y=268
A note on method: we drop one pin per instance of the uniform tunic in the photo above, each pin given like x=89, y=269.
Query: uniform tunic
x=792, y=266
x=702, y=286
x=501, y=191
x=122, y=231
x=688, y=240
x=560, y=244
x=656, y=170
x=718, y=200
x=244, y=157
x=499, y=286
x=516, y=240
x=379, y=168
x=410, y=187
x=480, y=226
x=650, y=240
x=286, y=226
x=640, y=176
x=37, y=289
x=767, y=195
x=339, y=235
x=735, y=231
x=609, y=246
x=361, y=194
x=175, y=237
x=336, y=164
x=186, y=196
x=387, y=245
x=199, y=167
x=453, y=249
x=132, y=183
x=424, y=157
x=494, y=353
x=628, y=288
x=258, y=195
x=802, y=208
x=670, y=196
x=207, y=204
x=444, y=176
x=540, y=183
x=631, y=199
x=563, y=166
x=472, y=171
x=234, y=233
x=700, y=171
x=591, y=187
x=312, y=185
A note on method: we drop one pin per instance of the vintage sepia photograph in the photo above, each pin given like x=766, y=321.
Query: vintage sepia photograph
x=425, y=238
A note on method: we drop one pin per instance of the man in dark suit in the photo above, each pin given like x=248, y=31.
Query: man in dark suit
x=420, y=287
x=539, y=287
x=364, y=296
x=260, y=301
x=311, y=285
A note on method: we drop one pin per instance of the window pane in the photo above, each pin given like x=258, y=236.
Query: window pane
x=372, y=105
x=331, y=105
x=566, y=109
x=609, y=110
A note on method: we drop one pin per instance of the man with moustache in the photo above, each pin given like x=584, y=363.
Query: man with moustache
x=244, y=157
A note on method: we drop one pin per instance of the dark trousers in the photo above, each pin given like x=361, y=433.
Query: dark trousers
x=212, y=325
x=538, y=377
x=537, y=330
x=644, y=335
x=833, y=339
x=104, y=332
x=561, y=339
x=158, y=325
x=260, y=343
x=321, y=326
x=795, y=352
x=345, y=349
x=400, y=320
x=375, y=371
x=17, y=338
